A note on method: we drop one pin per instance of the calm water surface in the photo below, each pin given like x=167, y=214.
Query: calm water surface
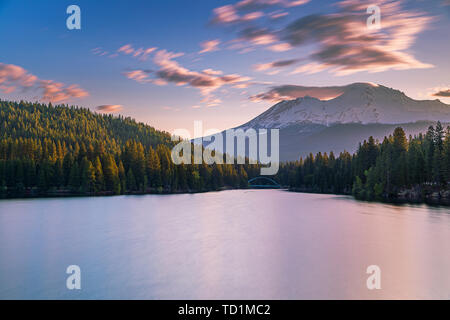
x=255, y=244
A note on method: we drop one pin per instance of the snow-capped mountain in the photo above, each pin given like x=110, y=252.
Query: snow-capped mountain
x=362, y=103
x=361, y=110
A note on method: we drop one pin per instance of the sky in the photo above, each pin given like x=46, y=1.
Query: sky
x=170, y=63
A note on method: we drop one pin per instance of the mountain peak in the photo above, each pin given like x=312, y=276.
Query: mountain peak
x=358, y=102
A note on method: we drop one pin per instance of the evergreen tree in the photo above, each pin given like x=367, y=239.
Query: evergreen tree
x=131, y=181
x=99, y=179
x=74, y=179
x=87, y=176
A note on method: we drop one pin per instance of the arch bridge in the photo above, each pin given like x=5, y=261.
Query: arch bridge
x=257, y=183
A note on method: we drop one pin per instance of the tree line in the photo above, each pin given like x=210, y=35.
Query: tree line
x=412, y=167
x=47, y=149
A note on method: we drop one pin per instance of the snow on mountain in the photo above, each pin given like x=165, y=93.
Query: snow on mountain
x=362, y=103
x=362, y=110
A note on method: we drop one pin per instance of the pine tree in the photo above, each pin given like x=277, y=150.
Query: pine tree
x=429, y=145
x=122, y=177
x=111, y=174
x=87, y=176
x=446, y=156
x=131, y=181
x=74, y=179
x=99, y=179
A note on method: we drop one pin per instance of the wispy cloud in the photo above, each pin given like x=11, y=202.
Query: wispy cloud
x=275, y=64
x=252, y=16
x=212, y=72
x=247, y=10
x=140, y=53
x=346, y=45
x=109, y=108
x=170, y=71
x=14, y=77
x=242, y=17
x=141, y=76
x=278, y=14
x=442, y=92
x=289, y=92
x=280, y=47
x=341, y=41
x=225, y=14
x=209, y=46
x=99, y=52
x=258, y=36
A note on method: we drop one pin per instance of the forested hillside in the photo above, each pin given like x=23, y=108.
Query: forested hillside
x=48, y=150
x=60, y=150
x=71, y=125
x=413, y=169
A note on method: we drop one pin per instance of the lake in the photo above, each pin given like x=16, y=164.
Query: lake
x=239, y=244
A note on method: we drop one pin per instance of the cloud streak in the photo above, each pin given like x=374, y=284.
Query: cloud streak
x=243, y=17
x=341, y=42
x=345, y=45
x=275, y=64
x=442, y=93
x=109, y=108
x=141, y=53
x=170, y=71
x=249, y=10
x=209, y=46
x=290, y=92
x=13, y=77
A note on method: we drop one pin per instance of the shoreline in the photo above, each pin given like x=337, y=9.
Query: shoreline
x=403, y=198
x=429, y=200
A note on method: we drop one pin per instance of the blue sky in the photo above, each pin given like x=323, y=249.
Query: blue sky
x=176, y=83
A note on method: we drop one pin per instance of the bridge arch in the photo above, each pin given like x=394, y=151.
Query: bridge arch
x=273, y=185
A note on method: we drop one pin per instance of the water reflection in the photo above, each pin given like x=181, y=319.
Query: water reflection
x=256, y=244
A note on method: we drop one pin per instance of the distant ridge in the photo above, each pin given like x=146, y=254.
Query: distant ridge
x=309, y=124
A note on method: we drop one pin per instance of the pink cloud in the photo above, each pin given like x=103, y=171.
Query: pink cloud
x=138, y=76
x=258, y=36
x=7, y=89
x=341, y=42
x=278, y=14
x=10, y=73
x=225, y=14
x=127, y=49
x=170, y=71
x=58, y=92
x=212, y=72
x=109, y=108
x=253, y=16
x=442, y=93
x=141, y=53
x=275, y=64
x=310, y=68
x=295, y=3
x=358, y=48
x=290, y=92
x=280, y=47
x=209, y=46
x=12, y=77
x=246, y=10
